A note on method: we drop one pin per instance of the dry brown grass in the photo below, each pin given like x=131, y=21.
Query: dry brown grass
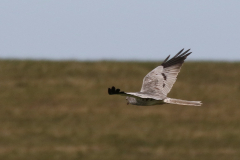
x=61, y=110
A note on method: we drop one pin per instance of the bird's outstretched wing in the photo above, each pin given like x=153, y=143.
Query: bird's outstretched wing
x=161, y=79
x=114, y=91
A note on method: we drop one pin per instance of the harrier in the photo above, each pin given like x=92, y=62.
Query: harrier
x=157, y=84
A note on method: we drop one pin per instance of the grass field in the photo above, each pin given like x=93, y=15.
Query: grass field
x=61, y=110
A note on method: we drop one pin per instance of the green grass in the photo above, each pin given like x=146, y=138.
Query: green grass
x=61, y=110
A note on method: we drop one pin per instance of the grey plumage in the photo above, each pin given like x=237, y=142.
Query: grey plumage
x=158, y=83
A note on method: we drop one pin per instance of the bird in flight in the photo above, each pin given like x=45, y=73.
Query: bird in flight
x=157, y=84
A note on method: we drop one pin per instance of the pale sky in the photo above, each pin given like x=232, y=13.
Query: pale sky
x=119, y=29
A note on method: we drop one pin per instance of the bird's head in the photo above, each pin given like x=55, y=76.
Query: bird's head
x=131, y=100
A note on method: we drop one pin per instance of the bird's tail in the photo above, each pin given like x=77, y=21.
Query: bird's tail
x=182, y=102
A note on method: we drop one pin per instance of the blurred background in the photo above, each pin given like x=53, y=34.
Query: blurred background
x=58, y=58
x=119, y=30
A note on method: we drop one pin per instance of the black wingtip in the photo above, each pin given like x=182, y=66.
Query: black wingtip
x=166, y=59
x=177, y=59
x=178, y=53
x=113, y=90
x=109, y=91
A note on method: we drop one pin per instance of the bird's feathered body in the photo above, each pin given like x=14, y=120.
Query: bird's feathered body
x=158, y=83
x=144, y=101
